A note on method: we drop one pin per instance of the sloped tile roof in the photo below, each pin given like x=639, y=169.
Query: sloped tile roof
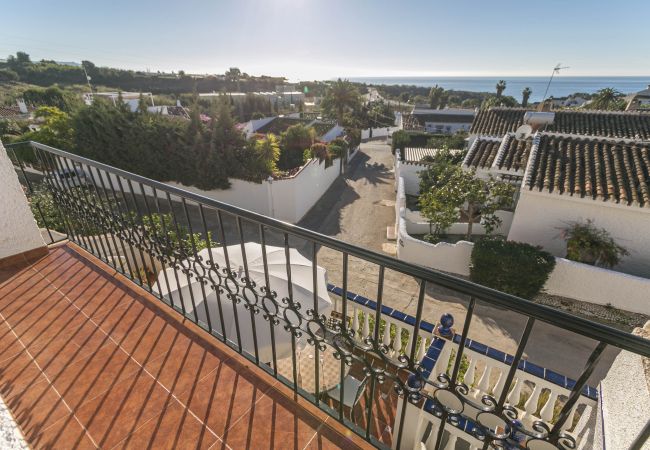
x=514, y=153
x=482, y=153
x=414, y=155
x=617, y=124
x=498, y=121
x=632, y=125
x=601, y=169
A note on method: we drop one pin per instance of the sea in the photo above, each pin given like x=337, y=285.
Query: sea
x=561, y=86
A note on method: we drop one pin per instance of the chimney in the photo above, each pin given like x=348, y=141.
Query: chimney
x=22, y=106
x=178, y=103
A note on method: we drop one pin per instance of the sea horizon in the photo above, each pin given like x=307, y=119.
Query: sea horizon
x=561, y=86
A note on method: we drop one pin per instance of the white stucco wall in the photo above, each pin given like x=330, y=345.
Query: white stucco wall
x=454, y=258
x=601, y=286
x=379, y=132
x=18, y=230
x=416, y=224
x=285, y=199
x=624, y=402
x=409, y=172
x=446, y=127
x=540, y=216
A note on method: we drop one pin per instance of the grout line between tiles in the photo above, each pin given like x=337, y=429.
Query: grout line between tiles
x=48, y=380
x=142, y=368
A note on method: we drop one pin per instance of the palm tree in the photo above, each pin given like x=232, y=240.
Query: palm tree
x=437, y=97
x=340, y=97
x=501, y=86
x=525, y=95
x=608, y=99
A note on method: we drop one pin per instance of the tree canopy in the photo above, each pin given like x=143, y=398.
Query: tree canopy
x=341, y=97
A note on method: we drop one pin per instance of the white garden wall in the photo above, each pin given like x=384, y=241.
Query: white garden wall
x=378, y=132
x=569, y=278
x=453, y=258
x=18, y=230
x=600, y=286
x=540, y=216
x=416, y=224
x=287, y=199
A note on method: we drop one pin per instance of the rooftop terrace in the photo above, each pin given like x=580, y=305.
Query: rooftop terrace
x=89, y=360
x=102, y=347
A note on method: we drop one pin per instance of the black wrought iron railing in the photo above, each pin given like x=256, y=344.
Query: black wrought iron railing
x=159, y=236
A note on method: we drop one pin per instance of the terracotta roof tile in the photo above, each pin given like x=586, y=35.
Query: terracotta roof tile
x=482, y=153
x=601, y=169
x=616, y=124
x=514, y=154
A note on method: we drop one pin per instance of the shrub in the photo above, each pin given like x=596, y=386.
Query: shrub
x=293, y=143
x=589, y=244
x=514, y=267
x=400, y=140
x=319, y=151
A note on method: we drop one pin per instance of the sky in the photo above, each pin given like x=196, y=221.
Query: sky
x=324, y=39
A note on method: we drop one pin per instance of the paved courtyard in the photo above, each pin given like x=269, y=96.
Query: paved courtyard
x=358, y=208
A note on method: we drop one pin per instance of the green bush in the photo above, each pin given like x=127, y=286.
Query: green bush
x=588, y=244
x=513, y=267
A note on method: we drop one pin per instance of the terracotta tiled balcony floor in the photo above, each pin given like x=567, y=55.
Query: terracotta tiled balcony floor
x=89, y=360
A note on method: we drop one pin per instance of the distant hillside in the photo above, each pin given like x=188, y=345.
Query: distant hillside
x=47, y=73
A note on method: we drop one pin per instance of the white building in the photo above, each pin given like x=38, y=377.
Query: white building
x=285, y=98
x=440, y=121
x=570, y=178
x=132, y=99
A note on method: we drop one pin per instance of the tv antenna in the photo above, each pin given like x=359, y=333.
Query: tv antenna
x=556, y=69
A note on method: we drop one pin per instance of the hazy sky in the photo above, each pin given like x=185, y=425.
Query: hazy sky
x=319, y=39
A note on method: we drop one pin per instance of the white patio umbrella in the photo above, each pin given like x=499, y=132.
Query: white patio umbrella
x=302, y=291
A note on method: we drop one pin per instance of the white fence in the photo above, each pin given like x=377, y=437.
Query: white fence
x=601, y=286
x=361, y=313
x=536, y=398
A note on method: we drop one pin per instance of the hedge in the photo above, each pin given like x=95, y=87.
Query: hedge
x=513, y=267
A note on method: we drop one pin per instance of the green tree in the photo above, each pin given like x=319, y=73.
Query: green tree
x=437, y=97
x=501, y=86
x=440, y=215
x=341, y=96
x=268, y=152
x=293, y=143
x=380, y=115
x=607, y=99
x=400, y=139
x=55, y=130
x=454, y=141
x=525, y=95
x=477, y=199
x=493, y=100
x=439, y=169
x=513, y=267
x=7, y=75
x=23, y=58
